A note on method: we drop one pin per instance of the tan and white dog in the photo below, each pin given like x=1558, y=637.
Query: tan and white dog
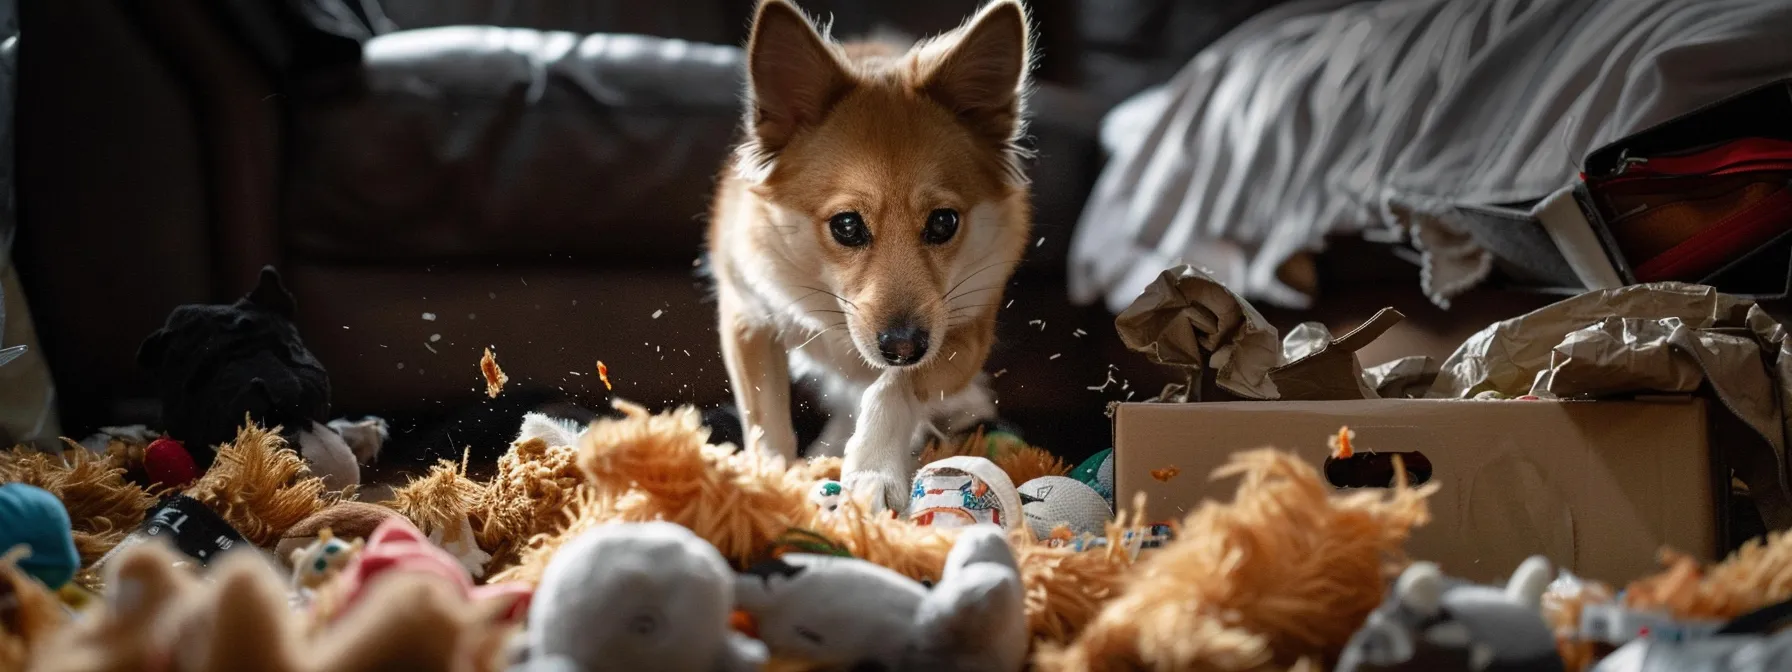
x=865, y=230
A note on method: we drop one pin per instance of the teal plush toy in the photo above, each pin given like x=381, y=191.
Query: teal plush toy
x=32, y=517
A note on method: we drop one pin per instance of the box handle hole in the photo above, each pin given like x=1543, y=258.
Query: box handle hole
x=1376, y=470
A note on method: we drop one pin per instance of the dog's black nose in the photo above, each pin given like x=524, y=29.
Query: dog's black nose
x=902, y=344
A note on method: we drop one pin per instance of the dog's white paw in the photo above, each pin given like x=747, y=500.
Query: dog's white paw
x=877, y=490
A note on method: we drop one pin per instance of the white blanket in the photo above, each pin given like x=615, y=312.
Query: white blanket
x=1328, y=116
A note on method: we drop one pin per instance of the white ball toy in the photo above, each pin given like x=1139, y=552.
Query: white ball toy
x=1050, y=501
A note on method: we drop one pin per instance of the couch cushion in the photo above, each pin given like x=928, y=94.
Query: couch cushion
x=491, y=144
x=487, y=143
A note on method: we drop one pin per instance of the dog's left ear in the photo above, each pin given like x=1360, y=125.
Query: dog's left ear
x=980, y=71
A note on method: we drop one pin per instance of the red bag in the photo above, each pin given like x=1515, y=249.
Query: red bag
x=1684, y=215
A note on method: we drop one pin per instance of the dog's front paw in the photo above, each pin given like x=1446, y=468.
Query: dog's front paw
x=877, y=490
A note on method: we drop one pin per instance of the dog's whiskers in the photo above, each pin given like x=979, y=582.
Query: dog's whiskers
x=956, y=309
x=818, y=334
x=949, y=292
x=842, y=299
x=971, y=291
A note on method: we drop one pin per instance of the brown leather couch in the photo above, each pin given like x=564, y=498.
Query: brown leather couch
x=430, y=186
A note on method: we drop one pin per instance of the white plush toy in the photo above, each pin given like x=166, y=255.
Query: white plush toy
x=845, y=613
x=637, y=596
x=1050, y=501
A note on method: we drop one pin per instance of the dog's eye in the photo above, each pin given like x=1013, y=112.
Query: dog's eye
x=849, y=229
x=942, y=225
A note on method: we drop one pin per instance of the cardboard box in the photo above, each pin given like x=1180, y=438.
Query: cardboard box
x=1598, y=486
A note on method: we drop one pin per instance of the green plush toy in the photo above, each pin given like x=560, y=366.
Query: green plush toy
x=1098, y=472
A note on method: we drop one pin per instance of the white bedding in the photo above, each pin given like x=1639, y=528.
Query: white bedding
x=1330, y=116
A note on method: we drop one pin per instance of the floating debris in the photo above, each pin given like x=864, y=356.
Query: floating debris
x=1340, y=443
x=494, y=376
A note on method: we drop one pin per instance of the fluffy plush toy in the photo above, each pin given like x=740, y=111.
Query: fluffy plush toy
x=398, y=547
x=844, y=613
x=344, y=520
x=1756, y=642
x=322, y=560
x=963, y=490
x=1431, y=622
x=214, y=364
x=29, y=613
x=637, y=596
x=103, y=507
x=157, y=616
x=1284, y=572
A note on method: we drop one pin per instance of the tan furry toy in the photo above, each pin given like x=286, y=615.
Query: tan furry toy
x=29, y=612
x=536, y=484
x=1756, y=575
x=261, y=487
x=647, y=467
x=159, y=616
x=256, y=486
x=102, y=505
x=1283, y=573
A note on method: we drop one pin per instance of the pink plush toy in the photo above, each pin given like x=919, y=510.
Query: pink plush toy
x=398, y=546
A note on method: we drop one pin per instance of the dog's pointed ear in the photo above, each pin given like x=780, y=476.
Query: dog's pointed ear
x=270, y=293
x=979, y=72
x=793, y=76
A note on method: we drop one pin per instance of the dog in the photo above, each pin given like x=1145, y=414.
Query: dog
x=864, y=231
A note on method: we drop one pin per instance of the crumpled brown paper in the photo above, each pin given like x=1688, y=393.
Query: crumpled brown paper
x=1663, y=337
x=1408, y=377
x=1188, y=320
x=1326, y=368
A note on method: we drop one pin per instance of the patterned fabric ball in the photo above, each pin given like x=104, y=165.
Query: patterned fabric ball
x=1050, y=501
x=961, y=491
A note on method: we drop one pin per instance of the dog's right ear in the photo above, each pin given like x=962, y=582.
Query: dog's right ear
x=793, y=77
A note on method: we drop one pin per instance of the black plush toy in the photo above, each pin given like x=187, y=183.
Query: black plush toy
x=214, y=364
